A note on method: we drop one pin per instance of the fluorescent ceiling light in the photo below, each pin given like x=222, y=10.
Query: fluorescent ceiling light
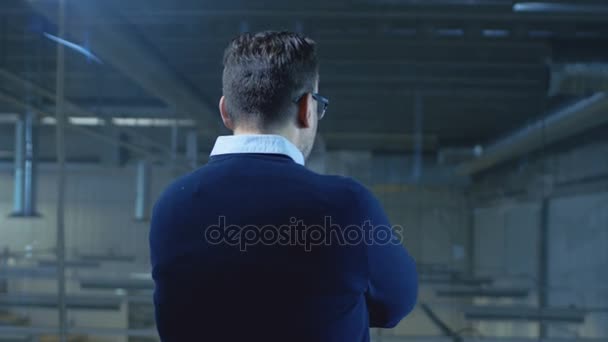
x=86, y=121
x=124, y=121
x=152, y=122
x=540, y=34
x=48, y=120
x=80, y=49
x=495, y=33
x=449, y=32
x=536, y=7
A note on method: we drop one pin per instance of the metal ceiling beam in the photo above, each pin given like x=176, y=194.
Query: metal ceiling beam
x=375, y=40
x=71, y=108
x=403, y=79
x=336, y=68
x=90, y=132
x=405, y=12
x=107, y=257
x=116, y=283
x=27, y=273
x=119, y=44
x=378, y=141
x=469, y=93
x=70, y=263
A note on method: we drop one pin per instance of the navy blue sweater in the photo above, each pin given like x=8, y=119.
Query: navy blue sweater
x=255, y=247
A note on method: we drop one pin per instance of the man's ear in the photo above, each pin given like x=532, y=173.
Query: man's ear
x=304, y=118
x=225, y=115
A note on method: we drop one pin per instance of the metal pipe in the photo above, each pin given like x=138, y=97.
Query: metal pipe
x=60, y=150
x=585, y=114
x=18, y=168
x=29, y=167
x=142, y=190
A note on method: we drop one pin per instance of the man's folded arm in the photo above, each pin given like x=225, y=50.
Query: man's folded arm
x=393, y=281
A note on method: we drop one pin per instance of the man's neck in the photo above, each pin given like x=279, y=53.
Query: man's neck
x=285, y=133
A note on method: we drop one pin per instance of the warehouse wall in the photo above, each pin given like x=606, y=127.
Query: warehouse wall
x=506, y=240
x=99, y=217
x=507, y=212
x=98, y=220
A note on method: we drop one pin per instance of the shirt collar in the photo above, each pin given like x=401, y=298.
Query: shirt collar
x=257, y=143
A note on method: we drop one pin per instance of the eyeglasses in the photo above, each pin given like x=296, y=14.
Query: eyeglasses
x=322, y=101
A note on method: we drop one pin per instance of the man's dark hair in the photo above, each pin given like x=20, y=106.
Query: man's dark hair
x=264, y=72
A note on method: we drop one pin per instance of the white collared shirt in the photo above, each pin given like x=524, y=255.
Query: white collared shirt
x=257, y=143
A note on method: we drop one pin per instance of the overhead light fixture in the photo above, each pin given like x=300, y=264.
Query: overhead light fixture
x=152, y=122
x=75, y=120
x=495, y=33
x=86, y=121
x=540, y=34
x=450, y=32
x=544, y=7
x=78, y=48
x=124, y=121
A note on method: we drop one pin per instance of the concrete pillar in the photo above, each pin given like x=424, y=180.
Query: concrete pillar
x=174, y=141
x=18, y=168
x=142, y=190
x=24, y=190
x=30, y=166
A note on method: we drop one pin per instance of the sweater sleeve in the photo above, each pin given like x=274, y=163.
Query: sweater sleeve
x=393, y=281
